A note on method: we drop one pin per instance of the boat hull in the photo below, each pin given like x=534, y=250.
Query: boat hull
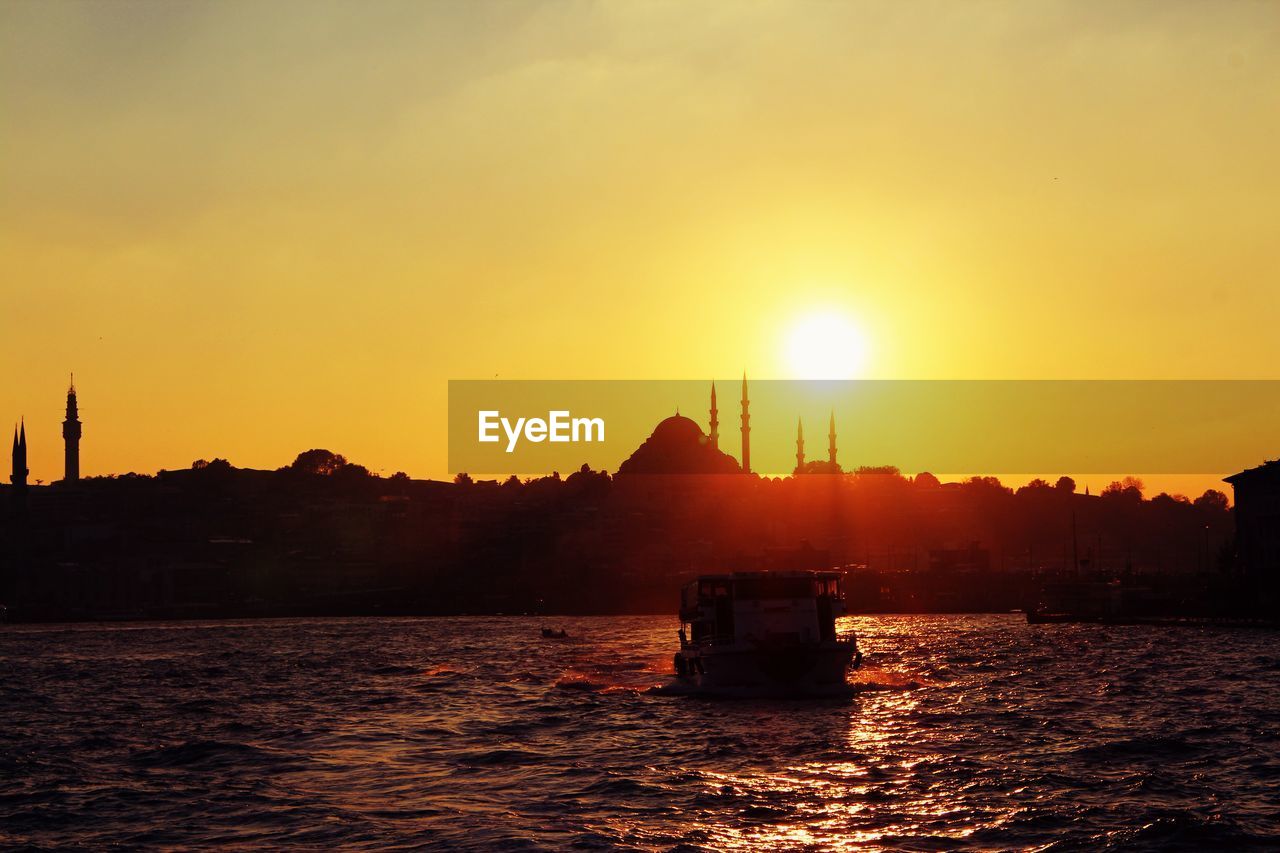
x=813, y=668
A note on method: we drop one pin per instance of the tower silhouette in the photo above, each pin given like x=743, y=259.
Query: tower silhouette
x=746, y=428
x=715, y=420
x=71, y=435
x=19, y=477
x=799, y=446
x=831, y=443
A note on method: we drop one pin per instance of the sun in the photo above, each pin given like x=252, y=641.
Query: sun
x=826, y=345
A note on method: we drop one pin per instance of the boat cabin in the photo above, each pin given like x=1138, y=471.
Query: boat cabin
x=762, y=607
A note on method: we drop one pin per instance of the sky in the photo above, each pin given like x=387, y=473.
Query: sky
x=255, y=228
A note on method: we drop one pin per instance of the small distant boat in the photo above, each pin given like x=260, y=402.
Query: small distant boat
x=765, y=631
x=549, y=634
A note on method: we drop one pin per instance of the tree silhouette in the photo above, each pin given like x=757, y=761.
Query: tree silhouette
x=1130, y=488
x=318, y=461
x=349, y=472
x=1036, y=485
x=1212, y=499
x=925, y=480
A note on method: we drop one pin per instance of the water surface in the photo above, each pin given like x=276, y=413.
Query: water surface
x=961, y=733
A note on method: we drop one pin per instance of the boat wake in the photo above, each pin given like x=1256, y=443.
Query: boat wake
x=878, y=682
x=874, y=678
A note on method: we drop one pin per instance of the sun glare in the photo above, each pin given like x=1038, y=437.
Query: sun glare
x=826, y=345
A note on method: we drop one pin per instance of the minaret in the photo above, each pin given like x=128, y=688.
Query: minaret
x=71, y=435
x=799, y=446
x=831, y=443
x=746, y=429
x=715, y=420
x=19, y=478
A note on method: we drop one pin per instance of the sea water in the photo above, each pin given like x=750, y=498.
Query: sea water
x=960, y=732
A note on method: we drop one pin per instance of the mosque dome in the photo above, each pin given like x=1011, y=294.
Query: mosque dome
x=678, y=428
x=678, y=446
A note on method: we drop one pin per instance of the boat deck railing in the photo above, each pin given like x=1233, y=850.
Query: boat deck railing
x=843, y=636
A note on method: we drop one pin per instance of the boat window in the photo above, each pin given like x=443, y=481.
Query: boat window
x=713, y=589
x=690, y=596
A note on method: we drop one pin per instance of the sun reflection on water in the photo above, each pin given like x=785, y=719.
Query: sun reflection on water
x=882, y=778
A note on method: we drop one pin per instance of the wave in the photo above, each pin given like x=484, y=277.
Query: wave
x=487, y=757
x=394, y=669
x=837, y=691
x=1140, y=746
x=1187, y=831
x=203, y=753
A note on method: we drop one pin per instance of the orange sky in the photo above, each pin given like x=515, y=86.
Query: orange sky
x=254, y=228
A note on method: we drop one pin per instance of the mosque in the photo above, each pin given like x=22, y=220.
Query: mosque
x=71, y=429
x=679, y=446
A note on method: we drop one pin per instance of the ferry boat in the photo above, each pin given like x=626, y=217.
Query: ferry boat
x=770, y=631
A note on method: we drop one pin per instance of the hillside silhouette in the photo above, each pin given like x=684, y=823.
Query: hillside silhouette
x=323, y=535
